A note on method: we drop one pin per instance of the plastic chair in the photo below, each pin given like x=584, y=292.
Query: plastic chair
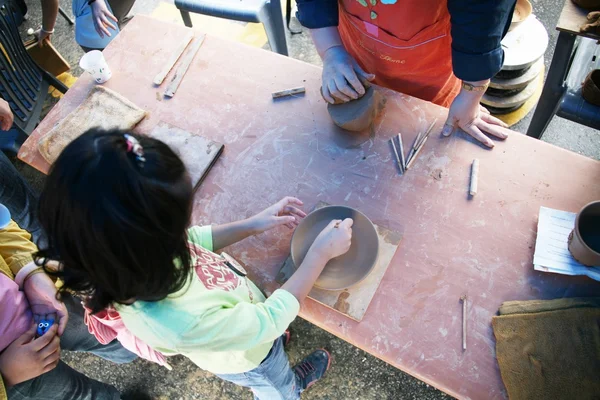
x=23, y=84
x=267, y=12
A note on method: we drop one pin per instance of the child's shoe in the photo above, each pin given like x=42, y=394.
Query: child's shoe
x=312, y=368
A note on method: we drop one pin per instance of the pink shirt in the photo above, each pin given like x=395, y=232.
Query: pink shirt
x=15, y=316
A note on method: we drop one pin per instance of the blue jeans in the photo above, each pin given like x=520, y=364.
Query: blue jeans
x=273, y=379
x=20, y=199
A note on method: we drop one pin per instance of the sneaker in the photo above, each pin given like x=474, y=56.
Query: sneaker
x=313, y=368
x=287, y=337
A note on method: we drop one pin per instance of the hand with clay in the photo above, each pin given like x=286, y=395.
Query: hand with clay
x=285, y=212
x=342, y=76
x=334, y=240
x=101, y=16
x=467, y=114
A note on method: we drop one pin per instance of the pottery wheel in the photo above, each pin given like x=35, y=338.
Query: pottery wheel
x=350, y=268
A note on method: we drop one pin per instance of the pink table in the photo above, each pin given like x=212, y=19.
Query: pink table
x=452, y=245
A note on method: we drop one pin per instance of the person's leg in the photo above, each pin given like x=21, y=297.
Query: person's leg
x=78, y=338
x=273, y=379
x=63, y=383
x=20, y=199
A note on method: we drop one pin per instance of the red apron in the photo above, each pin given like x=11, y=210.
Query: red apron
x=405, y=44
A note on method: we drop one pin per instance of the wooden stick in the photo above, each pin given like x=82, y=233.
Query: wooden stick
x=464, y=322
x=400, y=165
x=427, y=132
x=288, y=92
x=416, y=153
x=160, y=77
x=401, y=151
x=183, y=67
x=474, y=177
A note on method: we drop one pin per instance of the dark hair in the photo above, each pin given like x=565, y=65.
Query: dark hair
x=117, y=224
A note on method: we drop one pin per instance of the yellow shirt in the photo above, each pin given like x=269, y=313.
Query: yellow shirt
x=16, y=249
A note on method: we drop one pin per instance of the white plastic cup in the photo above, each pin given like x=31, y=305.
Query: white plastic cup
x=4, y=216
x=94, y=63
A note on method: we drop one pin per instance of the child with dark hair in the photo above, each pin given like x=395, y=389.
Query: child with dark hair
x=116, y=210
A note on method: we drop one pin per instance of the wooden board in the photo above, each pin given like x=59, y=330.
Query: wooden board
x=47, y=57
x=571, y=19
x=197, y=152
x=354, y=301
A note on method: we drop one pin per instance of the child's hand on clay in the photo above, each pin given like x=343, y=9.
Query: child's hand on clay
x=284, y=212
x=334, y=240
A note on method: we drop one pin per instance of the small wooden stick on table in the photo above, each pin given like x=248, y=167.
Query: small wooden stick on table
x=464, y=321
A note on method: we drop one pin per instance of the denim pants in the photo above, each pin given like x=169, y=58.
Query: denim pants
x=63, y=382
x=273, y=379
x=20, y=199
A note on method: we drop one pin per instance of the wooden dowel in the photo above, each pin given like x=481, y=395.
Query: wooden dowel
x=401, y=145
x=427, y=132
x=464, y=322
x=400, y=165
x=288, y=92
x=415, y=154
x=183, y=67
x=474, y=177
x=160, y=77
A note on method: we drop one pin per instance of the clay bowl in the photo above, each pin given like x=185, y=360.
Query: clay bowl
x=584, y=240
x=350, y=268
x=523, y=10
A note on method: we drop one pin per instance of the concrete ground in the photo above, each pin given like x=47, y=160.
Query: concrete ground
x=354, y=374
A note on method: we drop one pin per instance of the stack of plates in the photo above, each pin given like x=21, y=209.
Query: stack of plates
x=524, y=49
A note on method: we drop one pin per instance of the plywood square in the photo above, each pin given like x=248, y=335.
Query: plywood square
x=197, y=152
x=355, y=300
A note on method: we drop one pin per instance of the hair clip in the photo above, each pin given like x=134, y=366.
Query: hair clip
x=133, y=146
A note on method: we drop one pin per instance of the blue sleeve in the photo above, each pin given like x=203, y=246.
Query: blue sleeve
x=477, y=28
x=314, y=14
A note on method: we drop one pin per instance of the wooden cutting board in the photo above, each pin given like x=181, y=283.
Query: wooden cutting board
x=197, y=152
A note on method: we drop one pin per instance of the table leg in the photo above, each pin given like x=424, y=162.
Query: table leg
x=555, y=87
x=187, y=20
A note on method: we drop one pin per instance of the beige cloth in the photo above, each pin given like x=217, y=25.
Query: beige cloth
x=549, y=349
x=103, y=108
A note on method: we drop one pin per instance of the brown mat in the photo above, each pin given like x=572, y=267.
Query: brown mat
x=549, y=349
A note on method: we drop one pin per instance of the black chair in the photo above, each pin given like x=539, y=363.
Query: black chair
x=23, y=84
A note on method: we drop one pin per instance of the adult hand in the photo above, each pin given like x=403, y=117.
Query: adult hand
x=27, y=357
x=284, y=212
x=342, y=76
x=334, y=240
x=41, y=294
x=6, y=116
x=467, y=114
x=102, y=17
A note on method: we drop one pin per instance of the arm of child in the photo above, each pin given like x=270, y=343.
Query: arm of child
x=241, y=327
x=247, y=325
x=333, y=241
x=284, y=212
x=16, y=247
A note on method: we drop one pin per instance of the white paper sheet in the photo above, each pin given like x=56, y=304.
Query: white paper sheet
x=551, y=247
